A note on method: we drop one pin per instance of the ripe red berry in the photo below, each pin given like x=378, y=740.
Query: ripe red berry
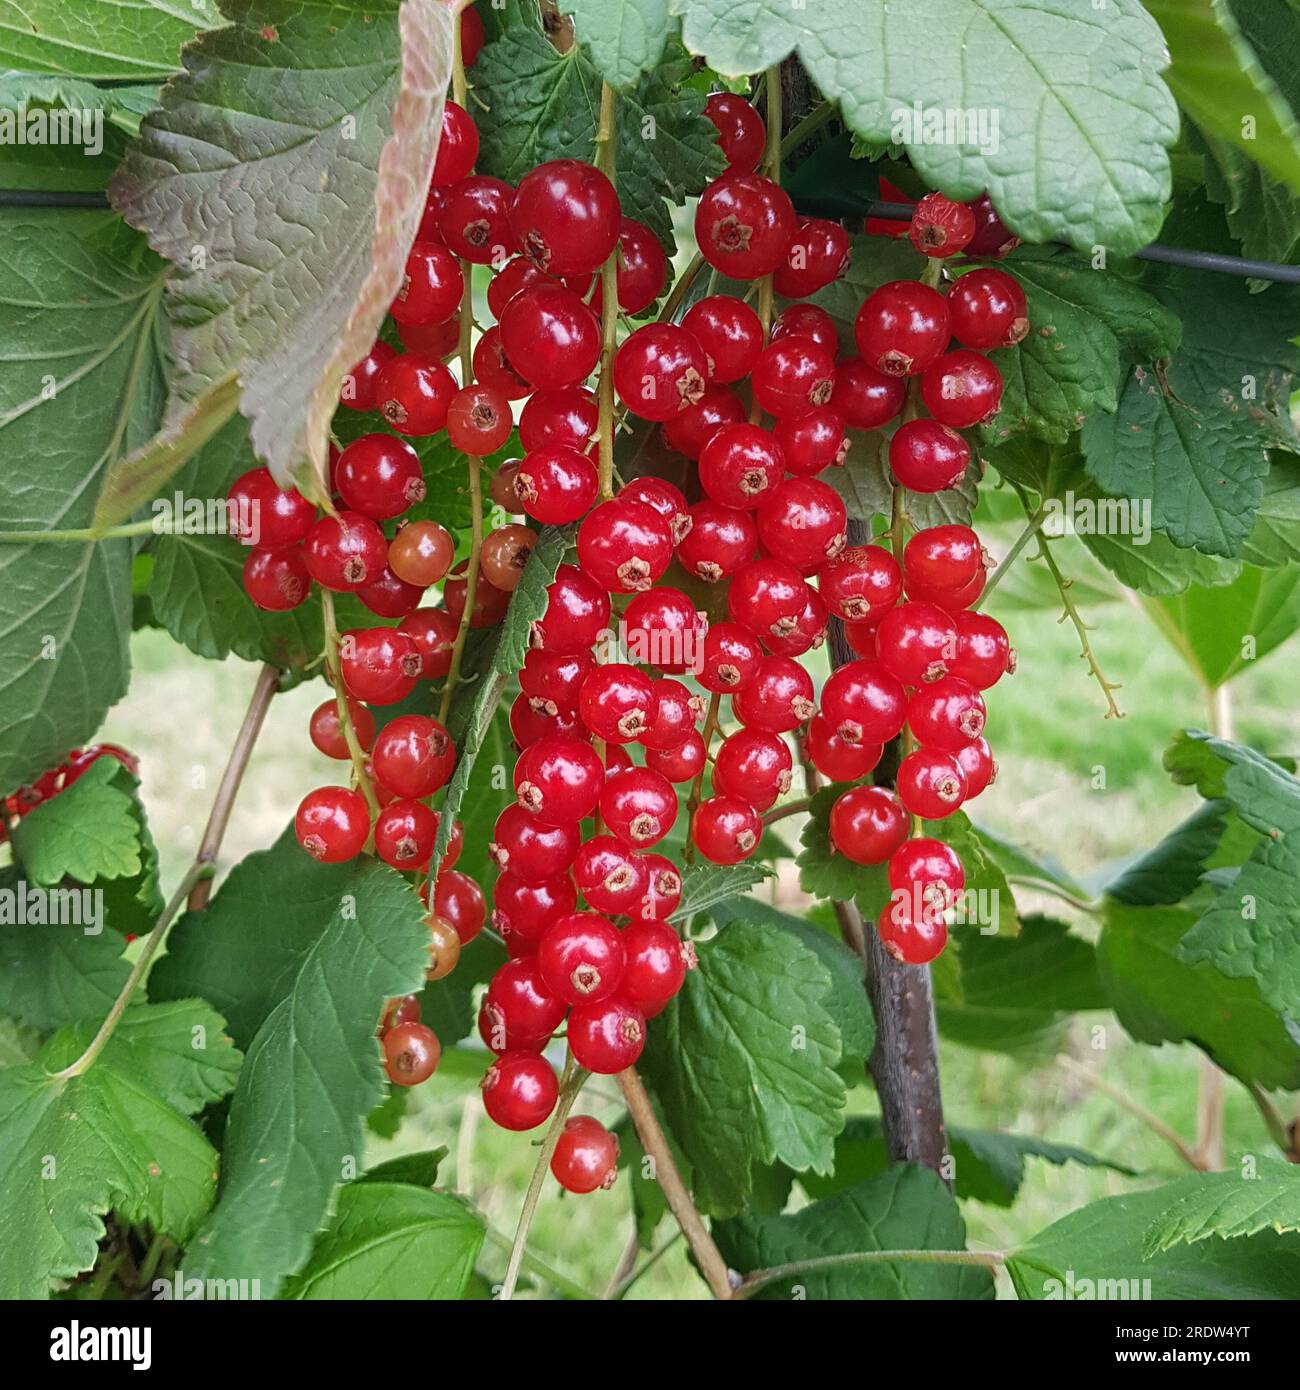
x=864, y=703
x=586, y=1156
x=976, y=762
x=984, y=653
x=867, y=824
x=411, y=1053
x=818, y=253
x=928, y=871
x=739, y=464
x=490, y=603
x=433, y=630
x=931, y=783
x=809, y=629
x=479, y=420
x=683, y=763
x=656, y=965
x=814, y=441
x=642, y=269
x=413, y=756
x=946, y=714
x=474, y=220
x=379, y=665
x=731, y=658
x=519, y=1090
x=664, y=498
x=808, y=321
x=861, y=584
x=741, y=132
x=493, y=368
x=433, y=340
x=581, y=958
x=675, y=716
x=778, y=699
x=834, y=757
x=326, y=732
x=987, y=310
x=962, y=388
x=753, y=765
x=927, y=456
x=530, y=848
x=558, y=778
x=606, y=1036
x=624, y=546
x=663, y=893
x=332, y=824
x=941, y=227
x=577, y=612
x=902, y=327
x=514, y=276
x=945, y=558
x=639, y=807
x=954, y=600
x=720, y=541
x=659, y=371
x=414, y=394
x=459, y=900
x=803, y=522
x=992, y=240
x=743, y=224
x=726, y=829
x=767, y=596
x=861, y=638
x=730, y=334
x=265, y=515
x=432, y=287
x=524, y=910
x=357, y=390
x=793, y=376
x=550, y=337
x=277, y=580
x=471, y=35
x=520, y=995
x=554, y=679
x=612, y=877
x=457, y=146
x=912, y=938
x=556, y=485
x=530, y=721
x=404, y=834
x=403, y=1010
x=379, y=476
x=916, y=642
x=564, y=417
x=565, y=217
x=390, y=597
x=617, y=702
x=865, y=397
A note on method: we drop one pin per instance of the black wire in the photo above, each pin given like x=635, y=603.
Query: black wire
x=888, y=212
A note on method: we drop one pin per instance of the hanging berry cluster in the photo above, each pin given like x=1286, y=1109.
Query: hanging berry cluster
x=58, y=779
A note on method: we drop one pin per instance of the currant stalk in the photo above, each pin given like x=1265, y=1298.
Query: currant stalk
x=609, y=307
x=772, y=168
x=355, y=752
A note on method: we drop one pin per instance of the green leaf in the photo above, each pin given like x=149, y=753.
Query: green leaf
x=18, y=1043
x=101, y=40
x=82, y=386
x=1161, y=994
x=625, y=38
x=1083, y=117
x=906, y=1208
x=744, y=1061
x=1099, y=1252
x=291, y=119
x=1276, y=537
x=417, y=1169
x=1171, y=870
x=91, y=830
x=704, y=886
x=988, y=1166
x=114, y=1137
x=1229, y=1205
x=823, y=871
x=313, y=1072
x=1019, y=863
x=387, y=1240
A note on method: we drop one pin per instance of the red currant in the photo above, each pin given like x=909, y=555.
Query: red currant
x=327, y=733
x=434, y=340
x=531, y=721
x=414, y=394
x=379, y=665
x=808, y=321
x=665, y=498
x=754, y=766
x=277, y=580
x=834, y=757
x=403, y=1010
x=743, y=224
x=916, y=642
x=411, y=1053
x=992, y=240
x=976, y=762
x=954, y=600
x=861, y=584
x=551, y=680
x=941, y=227
x=732, y=656
x=803, y=522
x=730, y=333
x=474, y=220
x=946, y=714
x=433, y=630
x=818, y=254
x=390, y=597
x=726, y=829
x=357, y=390
x=610, y=876
x=432, y=287
x=931, y=783
x=268, y=516
x=332, y=824
x=617, y=702
x=524, y=910
x=493, y=368
x=739, y=464
x=457, y=146
x=606, y=1036
x=928, y=871
x=927, y=456
x=639, y=806
x=404, y=834
x=814, y=441
x=413, y=756
x=586, y=1156
x=565, y=217
x=809, y=629
x=962, y=388
x=459, y=900
x=944, y=557
x=559, y=779
x=778, y=699
x=471, y=35
x=691, y=429
x=519, y=1090
x=479, y=420
x=984, y=653
x=987, y=309
x=577, y=612
x=659, y=371
x=684, y=763
x=867, y=824
x=581, y=958
x=767, y=597
x=902, y=327
x=624, y=546
x=515, y=276
x=865, y=397
x=793, y=376
x=675, y=716
x=657, y=962
x=490, y=603
x=863, y=703
x=642, y=269
x=520, y=993
x=504, y=556
x=565, y=417
x=551, y=338
x=530, y=848
x=664, y=892
x=741, y=132
x=379, y=476
x=556, y=485
x=720, y=541
x=911, y=938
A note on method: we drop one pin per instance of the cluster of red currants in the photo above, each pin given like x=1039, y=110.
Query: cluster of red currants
x=57, y=779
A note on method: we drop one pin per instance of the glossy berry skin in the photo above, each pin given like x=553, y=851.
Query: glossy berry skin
x=721, y=540
x=642, y=269
x=834, y=757
x=808, y=321
x=809, y=629
x=567, y=417
x=379, y=664
x=902, y=327
x=413, y=756
x=612, y=877
x=357, y=391
x=664, y=498
x=403, y=1010
x=803, y=522
x=741, y=131
x=577, y=612
x=436, y=340
x=861, y=584
x=586, y=1155
x=530, y=848
x=659, y=371
x=639, y=807
x=523, y=910
x=267, y=516
x=984, y=653
x=617, y=702
x=519, y=1091
x=415, y=393
x=530, y=722
x=814, y=441
x=739, y=464
x=944, y=557
x=976, y=762
x=520, y=994
x=474, y=220
x=675, y=716
x=457, y=146
x=379, y=476
x=471, y=35
x=459, y=900
x=553, y=680
x=493, y=367
x=404, y=834
x=868, y=824
x=433, y=630
x=941, y=227
x=927, y=456
x=606, y=1036
x=992, y=240
x=928, y=871
x=946, y=714
x=818, y=254
x=778, y=699
x=866, y=397
x=479, y=420
x=432, y=286
x=277, y=580
x=411, y=1053
x=861, y=638
x=962, y=388
x=504, y=555
x=550, y=337
x=753, y=765
x=726, y=829
x=556, y=485
x=490, y=603
x=444, y=948
x=327, y=734
x=683, y=763
x=793, y=376
x=332, y=824
x=581, y=958
x=912, y=938
x=931, y=783
x=732, y=656
x=743, y=224
x=390, y=597
x=656, y=965
x=624, y=546
x=915, y=642
x=515, y=276
x=558, y=778
x=691, y=429
x=864, y=703
x=987, y=310
x=663, y=893
x=767, y=596
x=730, y=333
x=565, y=217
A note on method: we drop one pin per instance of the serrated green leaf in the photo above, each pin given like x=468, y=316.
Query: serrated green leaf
x=417, y=1169
x=88, y=832
x=1229, y=1205
x=625, y=38
x=823, y=871
x=1172, y=869
x=706, y=885
x=388, y=1240
x=1276, y=537
x=18, y=1043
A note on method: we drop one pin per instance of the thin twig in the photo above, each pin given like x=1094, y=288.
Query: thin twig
x=681, y=289
x=608, y=309
x=1273, y=1121
x=1032, y=527
x=992, y=1260
x=335, y=669
x=1153, y=1122
x=569, y=1287
x=791, y=808
x=645, y=1266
